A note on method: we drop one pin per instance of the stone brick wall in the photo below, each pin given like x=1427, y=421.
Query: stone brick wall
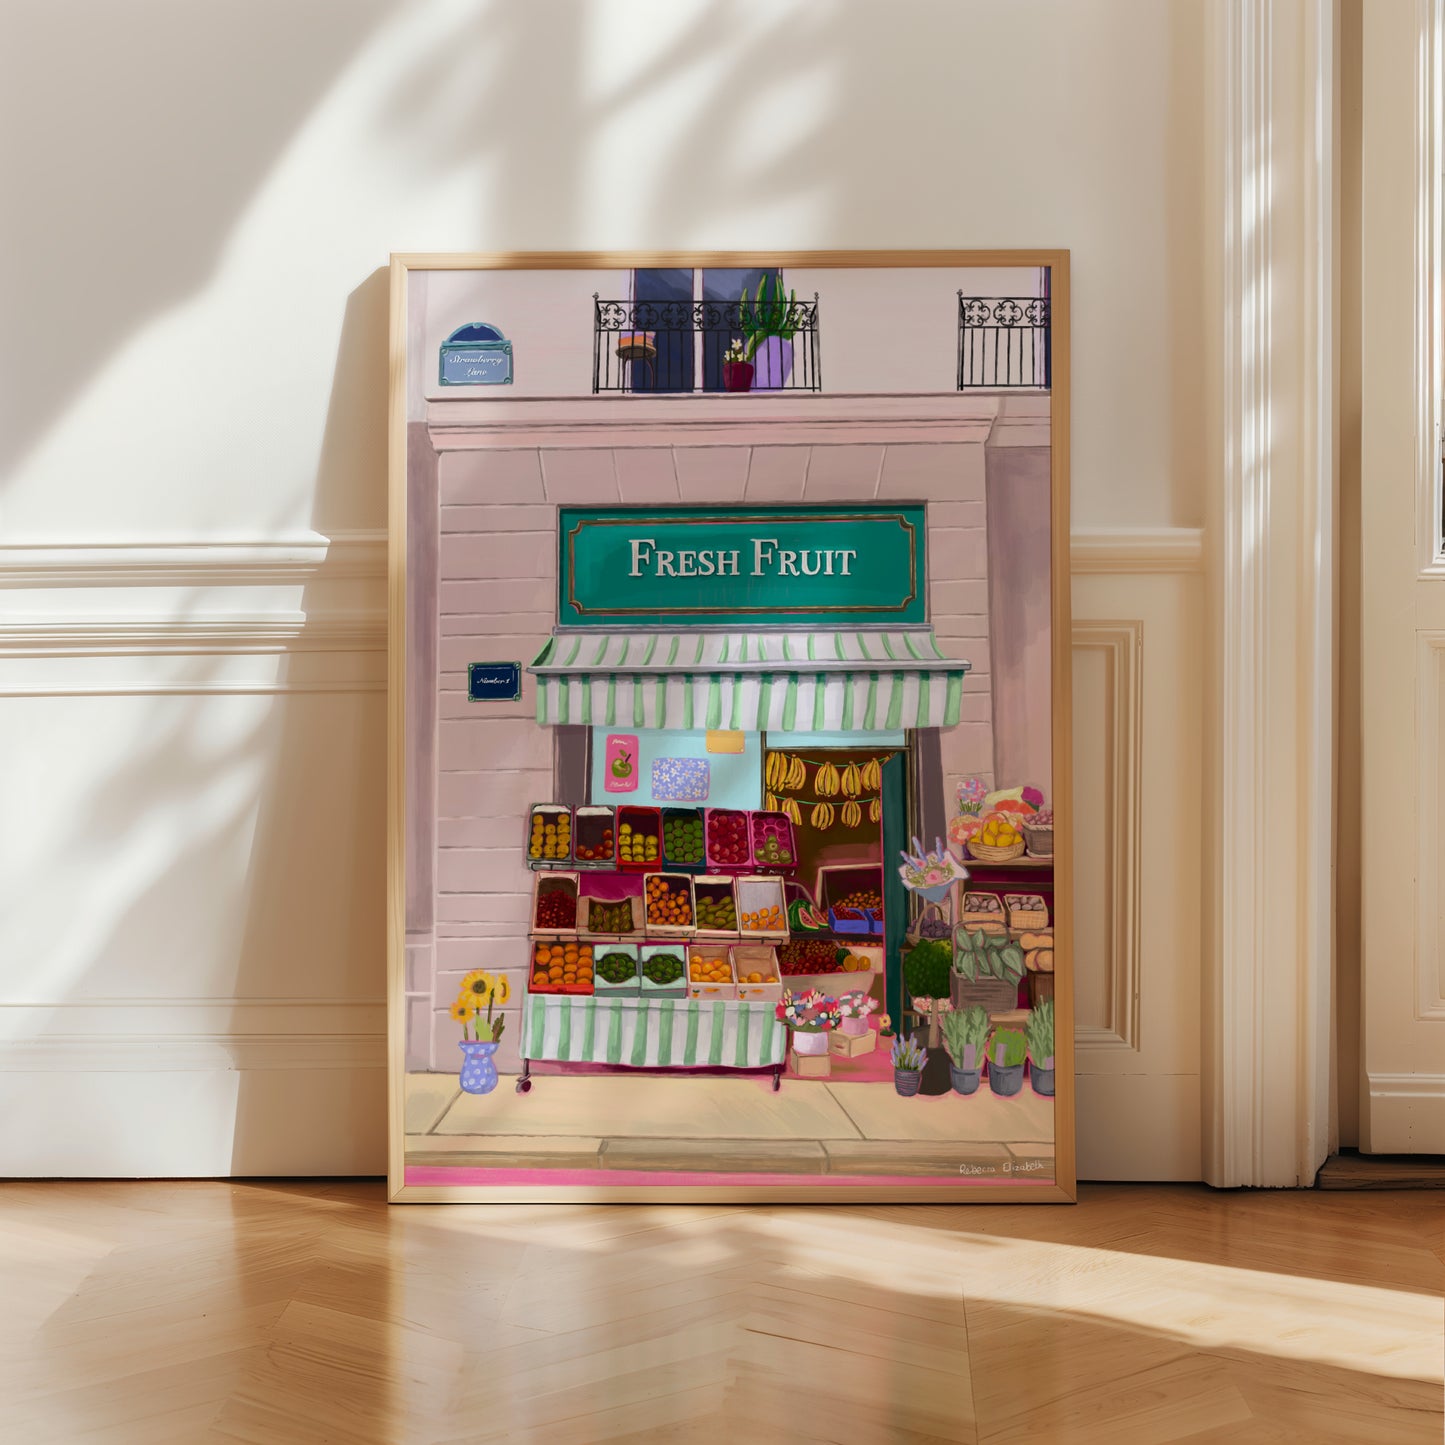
x=495, y=598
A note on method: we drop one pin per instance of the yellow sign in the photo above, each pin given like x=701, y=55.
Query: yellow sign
x=724, y=742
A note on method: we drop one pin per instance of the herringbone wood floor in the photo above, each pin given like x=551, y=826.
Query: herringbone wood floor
x=175, y=1313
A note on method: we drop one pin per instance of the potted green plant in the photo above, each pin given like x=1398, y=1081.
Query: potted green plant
x=909, y=1058
x=925, y=972
x=1039, y=1029
x=1006, y=1052
x=987, y=969
x=767, y=314
x=965, y=1033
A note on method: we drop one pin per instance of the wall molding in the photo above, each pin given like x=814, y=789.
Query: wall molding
x=1137, y=550
x=1122, y=643
x=216, y=634
x=1407, y=1086
x=140, y=1053
x=194, y=561
x=723, y=419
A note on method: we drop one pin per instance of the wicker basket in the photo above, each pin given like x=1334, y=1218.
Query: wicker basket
x=995, y=994
x=1026, y=920
x=988, y=854
x=976, y=918
x=1040, y=841
x=932, y=922
x=1041, y=989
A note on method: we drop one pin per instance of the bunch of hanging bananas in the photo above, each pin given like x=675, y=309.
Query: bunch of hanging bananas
x=875, y=811
x=772, y=803
x=852, y=783
x=822, y=816
x=794, y=812
x=783, y=771
x=851, y=814
x=825, y=785
x=872, y=778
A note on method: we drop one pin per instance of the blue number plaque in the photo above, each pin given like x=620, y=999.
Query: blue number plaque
x=494, y=681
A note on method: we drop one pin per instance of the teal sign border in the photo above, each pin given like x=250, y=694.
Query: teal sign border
x=889, y=590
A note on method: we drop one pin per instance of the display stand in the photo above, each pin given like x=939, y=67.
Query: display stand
x=652, y=1033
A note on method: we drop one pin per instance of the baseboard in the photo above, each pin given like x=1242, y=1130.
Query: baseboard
x=1349, y=1169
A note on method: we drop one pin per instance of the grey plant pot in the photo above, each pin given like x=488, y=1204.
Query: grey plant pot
x=907, y=1081
x=1042, y=1080
x=965, y=1081
x=1005, y=1080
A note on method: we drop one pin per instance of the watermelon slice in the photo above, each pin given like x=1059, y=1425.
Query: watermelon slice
x=804, y=917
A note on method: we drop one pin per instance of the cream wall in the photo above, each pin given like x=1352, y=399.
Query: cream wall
x=193, y=465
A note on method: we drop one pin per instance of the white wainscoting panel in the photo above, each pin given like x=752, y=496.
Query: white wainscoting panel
x=191, y=962
x=1137, y=806
x=192, y=969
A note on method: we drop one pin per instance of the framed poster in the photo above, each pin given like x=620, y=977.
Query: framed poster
x=760, y=890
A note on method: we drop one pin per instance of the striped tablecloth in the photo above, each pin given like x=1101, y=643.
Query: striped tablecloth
x=653, y=1033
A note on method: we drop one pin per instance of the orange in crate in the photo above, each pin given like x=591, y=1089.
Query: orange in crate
x=562, y=967
x=709, y=968
x=764, y=920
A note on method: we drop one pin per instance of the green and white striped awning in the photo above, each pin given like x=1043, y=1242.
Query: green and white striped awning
x=834, y=681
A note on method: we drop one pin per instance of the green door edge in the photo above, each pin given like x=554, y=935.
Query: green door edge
x=896, y=903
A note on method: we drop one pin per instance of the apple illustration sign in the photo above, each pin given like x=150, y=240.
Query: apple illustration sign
x=620, y=763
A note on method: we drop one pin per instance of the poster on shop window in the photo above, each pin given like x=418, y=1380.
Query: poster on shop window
x=753, y=882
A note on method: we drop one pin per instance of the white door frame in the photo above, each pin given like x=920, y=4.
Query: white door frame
x=1402, y=983
x=1269, y=886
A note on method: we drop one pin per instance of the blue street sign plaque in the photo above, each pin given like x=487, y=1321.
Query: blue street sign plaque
x=494, y=681
x=476, y=354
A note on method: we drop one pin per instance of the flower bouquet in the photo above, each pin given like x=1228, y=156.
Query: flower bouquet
x=930, y=875
x=812, y=1017
x=481, y=990
x=853, y=1010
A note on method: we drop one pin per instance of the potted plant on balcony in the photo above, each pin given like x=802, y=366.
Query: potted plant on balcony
x=737, y=369
x=1039, y=1030
x=766, y=315
x=965, y=1032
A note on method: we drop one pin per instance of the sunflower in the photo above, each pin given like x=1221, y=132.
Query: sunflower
x=479, y=986
x=503, y=989
x=463, y=1009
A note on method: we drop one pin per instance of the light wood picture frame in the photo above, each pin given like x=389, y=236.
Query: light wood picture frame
x=747, y=568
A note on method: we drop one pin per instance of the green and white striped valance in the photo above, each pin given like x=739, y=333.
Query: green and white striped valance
x=834, y=681
x=653, y=1033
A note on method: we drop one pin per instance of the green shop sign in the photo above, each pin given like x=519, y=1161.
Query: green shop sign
x=845, y=566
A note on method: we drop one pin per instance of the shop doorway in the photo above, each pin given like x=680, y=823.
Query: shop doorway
x=850, y=811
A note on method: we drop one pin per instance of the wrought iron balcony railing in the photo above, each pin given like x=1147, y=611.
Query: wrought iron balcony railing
x=1003, y=341
x=658, y=346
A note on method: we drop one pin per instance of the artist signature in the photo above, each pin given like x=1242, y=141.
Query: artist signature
x=1012, y=1166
